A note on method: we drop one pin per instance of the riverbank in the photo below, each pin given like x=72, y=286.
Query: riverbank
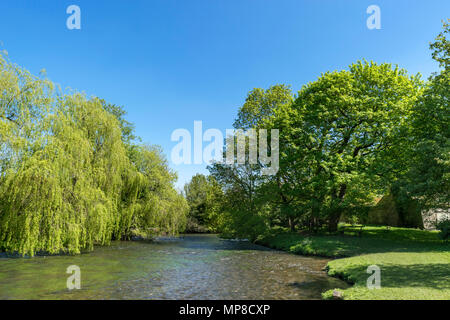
x=415, y=264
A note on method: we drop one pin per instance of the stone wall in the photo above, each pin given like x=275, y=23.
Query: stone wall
x=389, y=212
x=431, y=217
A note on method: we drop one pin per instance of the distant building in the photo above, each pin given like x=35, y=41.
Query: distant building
x=388, y=212
x=431, y=217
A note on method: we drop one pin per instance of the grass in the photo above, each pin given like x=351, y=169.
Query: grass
x=415, y=264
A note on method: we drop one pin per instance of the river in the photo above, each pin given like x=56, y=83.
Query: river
x=188, y=267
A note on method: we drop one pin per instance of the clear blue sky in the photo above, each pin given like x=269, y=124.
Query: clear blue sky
x=172, y=62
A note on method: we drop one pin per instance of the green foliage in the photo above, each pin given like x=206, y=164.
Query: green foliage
x=338, y=138
x=428, y=157
x=405, y=275
x=204, y=196
x=69, y=176
x=260, y=105
x=127, y=127
x=245, y=211
x=243, y=215
x=441, y=47
x=345, y=139
x=158, y=207
x=374, y=239
x=195, y=192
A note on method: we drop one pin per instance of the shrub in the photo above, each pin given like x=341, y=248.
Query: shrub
x=444, y=228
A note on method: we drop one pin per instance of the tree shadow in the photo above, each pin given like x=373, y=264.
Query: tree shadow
x=339, y=246
x=436, y=276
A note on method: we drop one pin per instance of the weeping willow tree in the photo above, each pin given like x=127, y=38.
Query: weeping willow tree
x=68, y=179
x=159, y=208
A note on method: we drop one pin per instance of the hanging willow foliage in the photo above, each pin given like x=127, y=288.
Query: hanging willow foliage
x=68, y=179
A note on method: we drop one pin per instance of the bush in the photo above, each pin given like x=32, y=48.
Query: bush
x=444, y=228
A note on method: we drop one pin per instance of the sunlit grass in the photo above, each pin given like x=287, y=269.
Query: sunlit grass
x=404, y=275
x=415, y=264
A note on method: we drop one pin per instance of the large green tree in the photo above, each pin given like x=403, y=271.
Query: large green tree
x=339, y=135
x=203, y=195
x=428, y=159
x=246, y=210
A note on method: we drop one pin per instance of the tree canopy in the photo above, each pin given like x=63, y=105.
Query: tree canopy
x=346, y=139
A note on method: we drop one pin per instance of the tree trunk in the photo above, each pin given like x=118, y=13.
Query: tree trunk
x=291, y=224
x=333, y=222
x=336, y=215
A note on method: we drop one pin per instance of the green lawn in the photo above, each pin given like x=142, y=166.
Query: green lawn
x=414, y=264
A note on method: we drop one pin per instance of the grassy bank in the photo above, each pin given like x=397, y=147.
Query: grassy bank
x=414, y=264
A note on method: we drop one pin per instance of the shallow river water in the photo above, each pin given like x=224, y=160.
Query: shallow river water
x=189, y=267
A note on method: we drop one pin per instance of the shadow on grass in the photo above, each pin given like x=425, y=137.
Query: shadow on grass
x=436, y=276
x=347, y=246
x=393, y=233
